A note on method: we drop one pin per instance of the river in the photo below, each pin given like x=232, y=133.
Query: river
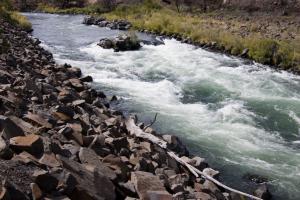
x=244, y=118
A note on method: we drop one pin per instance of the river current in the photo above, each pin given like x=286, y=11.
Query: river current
x=243, y=117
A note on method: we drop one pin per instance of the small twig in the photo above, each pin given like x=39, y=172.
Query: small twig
x=152, y=122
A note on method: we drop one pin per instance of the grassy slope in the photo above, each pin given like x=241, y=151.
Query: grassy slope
x=203, y=28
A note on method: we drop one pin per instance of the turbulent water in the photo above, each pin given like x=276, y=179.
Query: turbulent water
x=243, y=118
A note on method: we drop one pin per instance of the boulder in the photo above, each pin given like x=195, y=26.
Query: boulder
x=149, y=186
x=121, y=43
x=32, y=144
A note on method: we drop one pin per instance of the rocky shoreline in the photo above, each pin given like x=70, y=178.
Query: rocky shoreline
x=61, y=140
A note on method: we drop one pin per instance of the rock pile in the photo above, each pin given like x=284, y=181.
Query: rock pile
x=102, y=22
x=123, y=42
x=61, y=140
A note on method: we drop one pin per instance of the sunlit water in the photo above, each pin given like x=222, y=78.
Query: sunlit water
x=243, y=118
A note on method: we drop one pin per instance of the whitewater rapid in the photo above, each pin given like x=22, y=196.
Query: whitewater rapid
x=243, y=117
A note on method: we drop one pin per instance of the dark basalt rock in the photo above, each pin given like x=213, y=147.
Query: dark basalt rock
x=121, y=43
x=102, y=22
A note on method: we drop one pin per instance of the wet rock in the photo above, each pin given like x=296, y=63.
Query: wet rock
x=145, y=182
x=121, y=43
x=74, y=72
x=86, y=79
x=263, y=192
x=32, y=144
x=9, y=128
x=89, y=20
x=256, y=178
x=106, y=43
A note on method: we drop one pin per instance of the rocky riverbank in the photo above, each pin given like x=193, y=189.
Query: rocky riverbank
x=61, y=140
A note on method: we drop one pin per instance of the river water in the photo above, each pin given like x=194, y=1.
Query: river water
x=244, y=118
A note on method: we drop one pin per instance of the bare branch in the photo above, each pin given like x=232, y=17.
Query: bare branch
x=152, y=122
x=135, y=130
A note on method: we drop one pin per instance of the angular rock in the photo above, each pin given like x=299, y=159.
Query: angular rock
x=25, y=126
x=49, y=160
x=45, y=181
x=145, y=182
x=88, y=156
x=32, y=144
x=90, y=185
x=9, y=128
x=39, y=120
